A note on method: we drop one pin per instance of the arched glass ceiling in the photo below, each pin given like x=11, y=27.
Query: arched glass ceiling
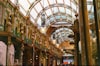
x=58, y=18
x=55, y=10
x=34, y=8
x=62, y=34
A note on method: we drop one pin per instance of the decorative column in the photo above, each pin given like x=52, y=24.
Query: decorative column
x=33, y=41
x=84, y=33
x=14, y=20
x=9, y=24
x=22, y=46
x=7, y=56
x=77, y=39
x=96, y=4
x=27, y=26
x=21, y=55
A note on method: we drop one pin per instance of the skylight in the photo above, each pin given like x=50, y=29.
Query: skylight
x=52, y=1
x=34, y=7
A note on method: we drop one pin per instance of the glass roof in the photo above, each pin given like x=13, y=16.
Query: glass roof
x=62, y=34
x=34, y=8
x=55, y=11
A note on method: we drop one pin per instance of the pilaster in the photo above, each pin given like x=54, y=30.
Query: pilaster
x=84, y=33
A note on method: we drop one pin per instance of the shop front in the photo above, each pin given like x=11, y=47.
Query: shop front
x=3, y=50
x=28, y=55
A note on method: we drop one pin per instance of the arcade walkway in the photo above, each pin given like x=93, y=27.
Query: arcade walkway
x=49, y=32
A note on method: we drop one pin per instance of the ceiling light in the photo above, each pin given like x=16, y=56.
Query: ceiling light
x=43, y=30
